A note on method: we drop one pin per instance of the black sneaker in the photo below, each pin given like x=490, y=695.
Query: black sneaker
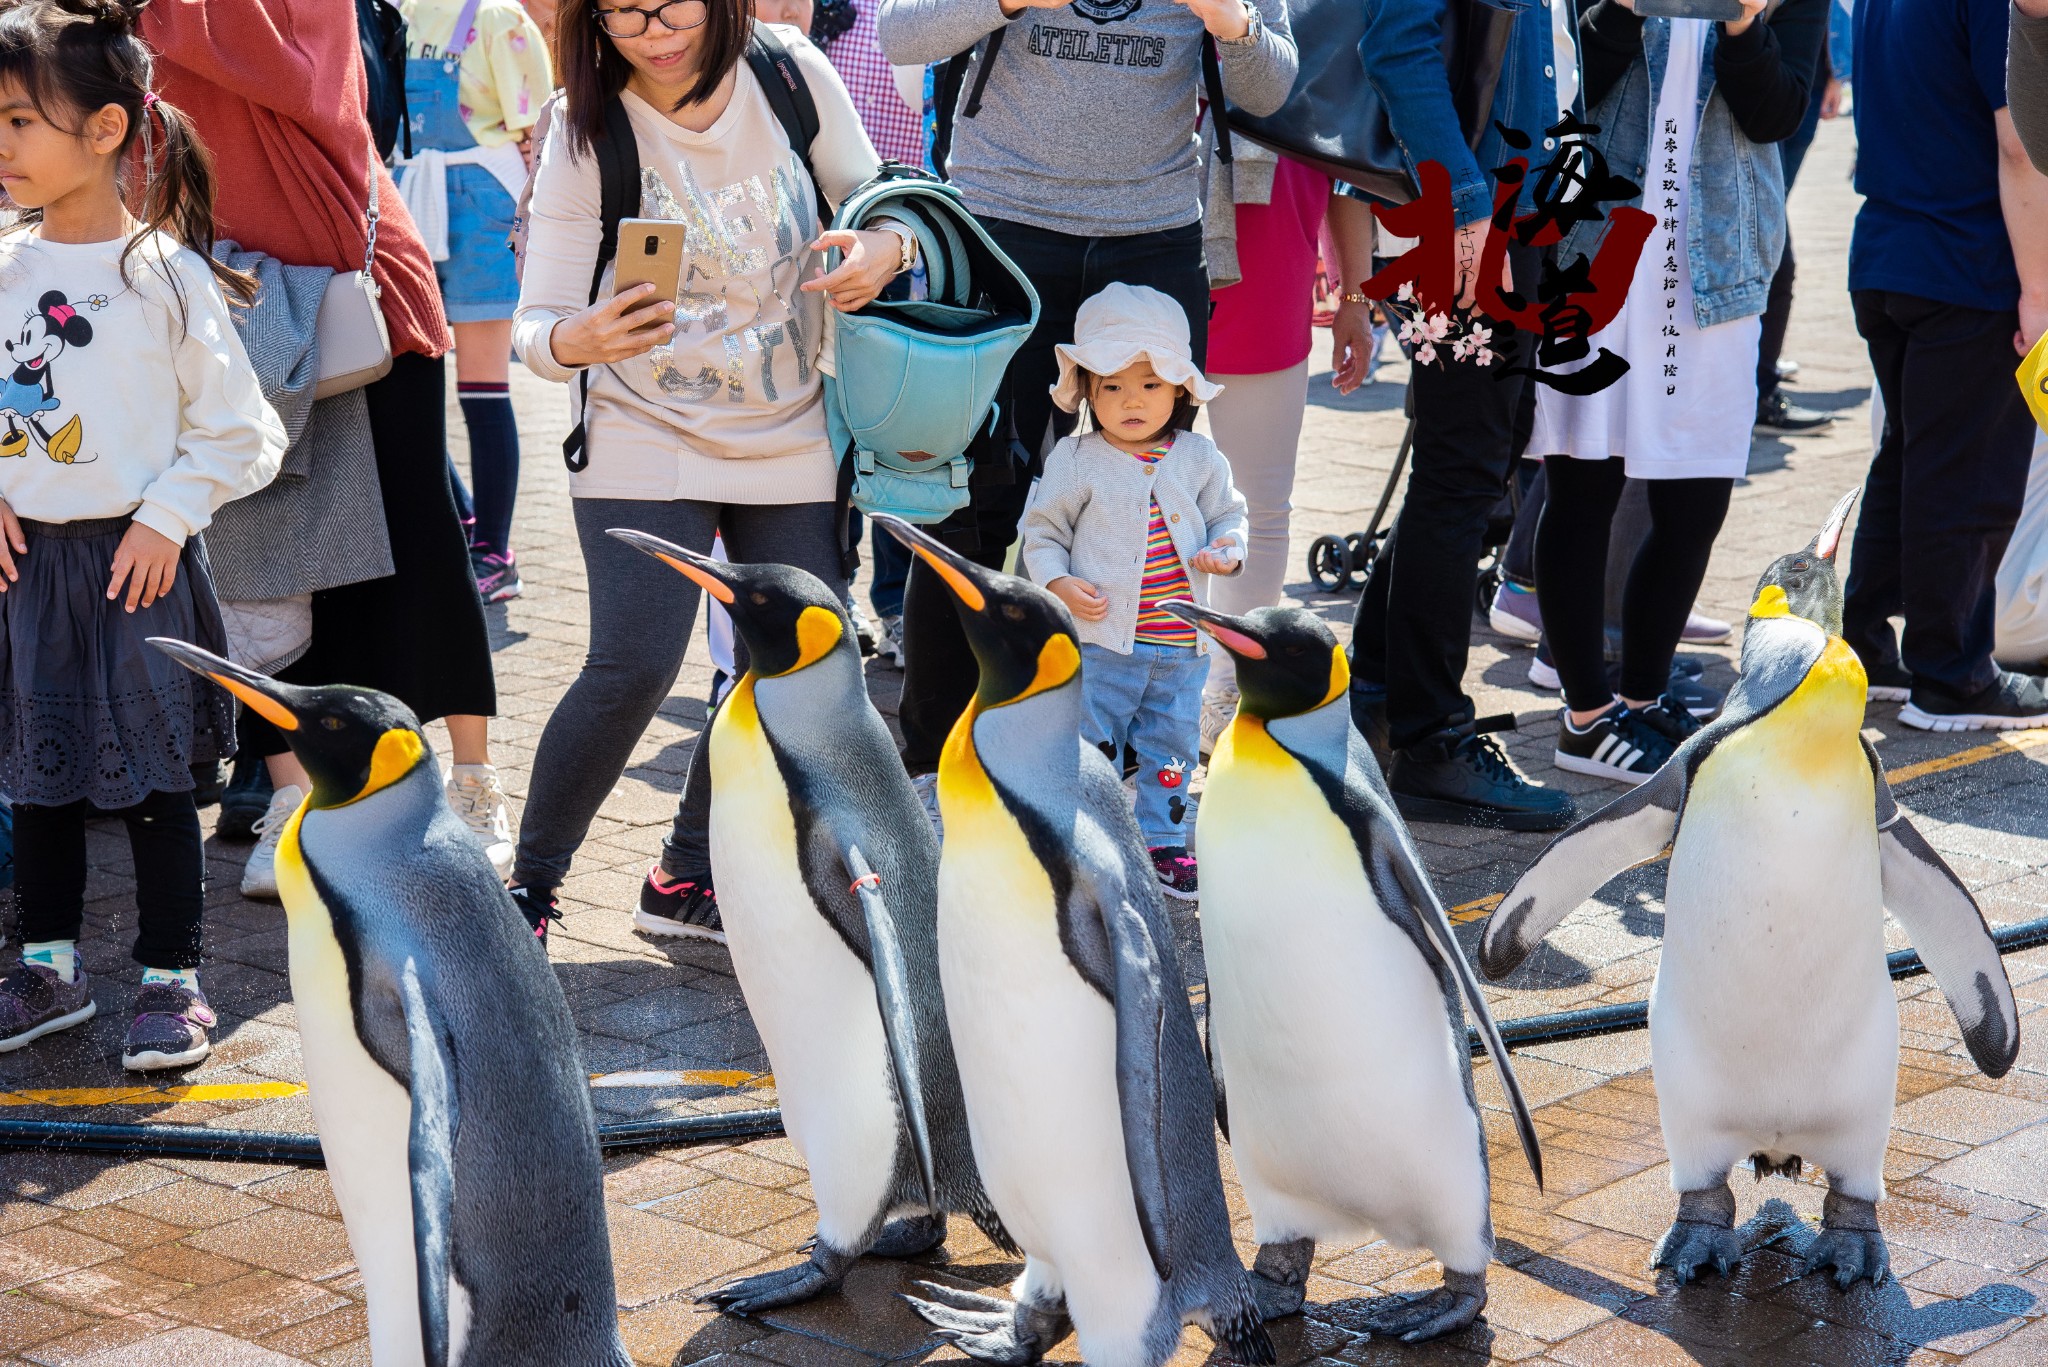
x=1688, y=692
x=1671, y=718
x=1778, y=414
x=1889, y=682
x=537, y=905
x=1176, y=870
x=1464, y=778
x=2010, y=702
x=245, y=800
x=1617, y=745
x=673, y=907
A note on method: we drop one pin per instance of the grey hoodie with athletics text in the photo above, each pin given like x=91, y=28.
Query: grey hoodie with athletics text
x=1088, y=121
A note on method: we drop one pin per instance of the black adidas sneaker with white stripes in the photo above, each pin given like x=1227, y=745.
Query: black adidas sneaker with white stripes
x=1617, y=745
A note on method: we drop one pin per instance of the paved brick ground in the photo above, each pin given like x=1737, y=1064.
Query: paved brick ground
x=153, y=1263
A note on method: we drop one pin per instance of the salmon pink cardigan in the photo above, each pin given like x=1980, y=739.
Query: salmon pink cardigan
x=277, y=91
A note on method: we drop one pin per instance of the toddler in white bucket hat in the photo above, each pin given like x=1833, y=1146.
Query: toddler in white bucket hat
x=1130, y=515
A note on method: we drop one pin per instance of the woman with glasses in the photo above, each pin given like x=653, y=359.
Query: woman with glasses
x=704, y=411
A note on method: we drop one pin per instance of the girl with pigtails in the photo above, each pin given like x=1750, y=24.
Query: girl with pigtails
x=131, y=415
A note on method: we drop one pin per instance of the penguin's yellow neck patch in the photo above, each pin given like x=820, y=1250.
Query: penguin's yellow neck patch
x=817, y=631
x=1771, y=602
x=398, y=753
x=1340, y=677
x=1059, y=660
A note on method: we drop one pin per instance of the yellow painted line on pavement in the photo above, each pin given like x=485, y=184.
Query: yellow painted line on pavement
x=1473, y=910
x=151, y=1096
x=2008, y=743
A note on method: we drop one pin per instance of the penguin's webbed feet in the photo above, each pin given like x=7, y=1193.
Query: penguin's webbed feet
x=910, y=1236
x=1451, y=1307
x=1850, y=1243
x=824, y=1272
x=989, y=1329
x=1703, y=1236
x=1279, y=1278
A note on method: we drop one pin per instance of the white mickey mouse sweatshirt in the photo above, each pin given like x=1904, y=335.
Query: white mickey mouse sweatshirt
x=114, y=399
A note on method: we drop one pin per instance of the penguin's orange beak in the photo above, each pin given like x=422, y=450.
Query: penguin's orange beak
x=954, y=569
x=1232, y=633
x=1830, y=538
x=266, y=697
x=707, y=573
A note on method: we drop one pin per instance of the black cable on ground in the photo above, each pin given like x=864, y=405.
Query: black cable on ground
x=251, y=1146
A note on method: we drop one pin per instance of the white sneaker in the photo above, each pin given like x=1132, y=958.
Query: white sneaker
x=927, y=786
x=474, y=795
x=1218, y=710
x=890, y=647
x=259, y=875
x=1543, y=674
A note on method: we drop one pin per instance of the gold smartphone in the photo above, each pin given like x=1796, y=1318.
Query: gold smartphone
x=650, y=253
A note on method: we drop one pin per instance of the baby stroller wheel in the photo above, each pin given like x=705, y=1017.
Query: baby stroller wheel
x=1360, y=548
x=1329, y=564
x=1489, y=585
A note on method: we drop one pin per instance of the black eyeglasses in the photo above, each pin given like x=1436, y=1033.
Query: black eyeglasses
x=676, y=16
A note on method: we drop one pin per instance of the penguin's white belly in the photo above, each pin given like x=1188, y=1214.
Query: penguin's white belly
x=1345, y=1085
x=365, y=1121
x=1773, y=1024
x=809, y=995
x=1036, y=1047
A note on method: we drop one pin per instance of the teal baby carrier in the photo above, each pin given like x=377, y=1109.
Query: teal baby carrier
x=916, y=379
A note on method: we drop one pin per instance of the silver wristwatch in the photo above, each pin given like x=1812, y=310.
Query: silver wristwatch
x=1254, y=26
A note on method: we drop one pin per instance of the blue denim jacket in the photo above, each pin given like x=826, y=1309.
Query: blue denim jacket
x=1736, y=231
x=1404, y=59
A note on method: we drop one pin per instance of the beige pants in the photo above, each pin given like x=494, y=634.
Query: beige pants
x=1256, y=422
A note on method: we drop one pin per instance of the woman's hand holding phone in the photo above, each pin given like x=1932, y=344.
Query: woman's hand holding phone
x=626, y=325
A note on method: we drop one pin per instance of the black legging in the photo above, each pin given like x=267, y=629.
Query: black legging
x=170, y=875
x=1571, y=574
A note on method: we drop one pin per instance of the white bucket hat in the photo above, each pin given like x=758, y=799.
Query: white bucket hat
x=1114, y=328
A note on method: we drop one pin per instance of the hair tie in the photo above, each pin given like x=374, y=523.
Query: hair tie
x=149, y=100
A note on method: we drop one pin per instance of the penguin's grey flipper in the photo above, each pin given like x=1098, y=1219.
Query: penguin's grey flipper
x=892, y=995
x=988, y=1329
x=1944, y=923
x=1702, y=1236
x=1407, y=870
x=1449, y=1308
x=1633, y=828
x=430, y=1156
x=824, y=1271
x=1141, y=1004
x=1850, y=1242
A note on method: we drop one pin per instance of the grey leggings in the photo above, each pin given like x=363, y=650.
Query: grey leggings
x=641, y=615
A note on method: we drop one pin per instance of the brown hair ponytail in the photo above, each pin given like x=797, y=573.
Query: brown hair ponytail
x=72, y=58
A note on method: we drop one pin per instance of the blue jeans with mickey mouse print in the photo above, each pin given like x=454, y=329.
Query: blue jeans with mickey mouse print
x=1150, y=699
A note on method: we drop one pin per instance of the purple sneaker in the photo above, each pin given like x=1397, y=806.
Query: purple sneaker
x=170, y=1028
x=35, y=1002
x=1514, y=613
x=1176, y=870
x=497, y=576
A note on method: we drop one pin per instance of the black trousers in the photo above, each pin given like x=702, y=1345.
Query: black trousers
x=1944, y=489
x=417, y=633
x=1414, y=621
x=170, y=875
x=939, y=672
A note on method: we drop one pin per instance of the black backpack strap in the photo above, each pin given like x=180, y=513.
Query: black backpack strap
x=1212, y=80
x=618, y=197
x=782, y=80
x=946, y=95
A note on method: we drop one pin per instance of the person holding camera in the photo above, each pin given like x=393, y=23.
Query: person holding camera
x=704, y=412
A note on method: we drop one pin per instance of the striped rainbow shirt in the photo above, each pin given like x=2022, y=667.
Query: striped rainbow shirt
x=1165, y=578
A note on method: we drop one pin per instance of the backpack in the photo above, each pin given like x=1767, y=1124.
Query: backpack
x=914, y=380
x=381, y=30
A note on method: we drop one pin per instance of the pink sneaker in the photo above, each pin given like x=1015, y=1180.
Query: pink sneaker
x=1176, y=870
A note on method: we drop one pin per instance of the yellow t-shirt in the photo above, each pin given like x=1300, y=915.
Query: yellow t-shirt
x=506, y=73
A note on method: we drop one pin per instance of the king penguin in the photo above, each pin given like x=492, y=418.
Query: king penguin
x=1774, y=1030
x=1336, y=1030
x=440, y=1056
x=1088, y=1101
x=828, y=888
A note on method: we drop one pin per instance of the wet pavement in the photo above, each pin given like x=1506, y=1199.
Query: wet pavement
x=107, y=1260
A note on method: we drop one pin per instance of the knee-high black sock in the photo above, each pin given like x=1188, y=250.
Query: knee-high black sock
x=493, y=459
x=1685, y=517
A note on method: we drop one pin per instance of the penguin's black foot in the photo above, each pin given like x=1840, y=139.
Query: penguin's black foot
x=910, y=1236
x=1702, y=1236
x=1279, y=1279
x=1449, y=1308
x=786, y=1286
x=1850, y=1243
x=1010, y=1333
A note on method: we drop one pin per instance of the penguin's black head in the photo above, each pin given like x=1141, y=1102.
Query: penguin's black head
x=787, y=616
x=1021, y=635
x=1804, y=583
x=1288, y=662
x=353, y=741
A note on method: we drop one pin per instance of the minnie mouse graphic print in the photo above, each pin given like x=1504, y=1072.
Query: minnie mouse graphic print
x=29, y=390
